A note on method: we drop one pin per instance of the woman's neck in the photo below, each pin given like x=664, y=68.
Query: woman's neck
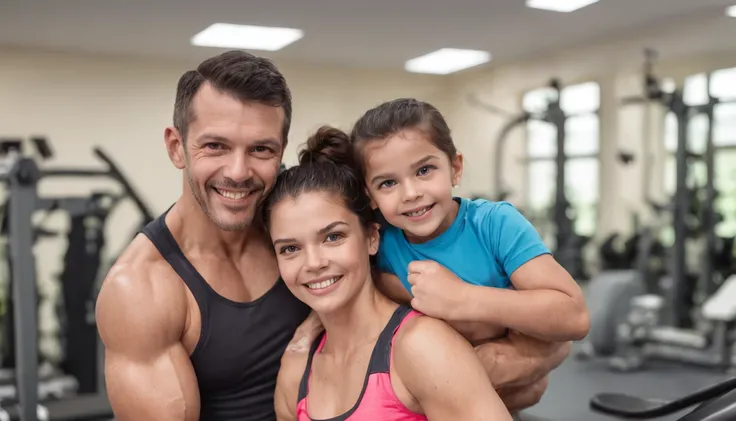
x=357, y=322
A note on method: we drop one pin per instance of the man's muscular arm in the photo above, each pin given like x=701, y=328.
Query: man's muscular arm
x=292, y=368
x=148, y=373
x=518, y=366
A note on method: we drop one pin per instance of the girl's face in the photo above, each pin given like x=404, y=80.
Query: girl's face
x=410, y=180
x=323, y=250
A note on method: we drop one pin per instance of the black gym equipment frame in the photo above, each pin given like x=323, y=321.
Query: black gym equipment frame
x=677, y=305
x=22, y=175
x=568, y=244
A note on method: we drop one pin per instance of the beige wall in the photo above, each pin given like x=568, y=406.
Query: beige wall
x=123, y=104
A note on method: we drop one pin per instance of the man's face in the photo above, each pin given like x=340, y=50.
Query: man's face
x=231, y=156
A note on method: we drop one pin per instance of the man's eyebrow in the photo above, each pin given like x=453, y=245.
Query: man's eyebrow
x=329, y=227
x=212, y=136
x=418, y=163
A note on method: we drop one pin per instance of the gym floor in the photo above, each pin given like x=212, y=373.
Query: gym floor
x=575, y=382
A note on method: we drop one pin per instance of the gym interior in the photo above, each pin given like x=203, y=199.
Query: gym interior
x=610, y=124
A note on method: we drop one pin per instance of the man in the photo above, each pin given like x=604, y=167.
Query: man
x=193, y=315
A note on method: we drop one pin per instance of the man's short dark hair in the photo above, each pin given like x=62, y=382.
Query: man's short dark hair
x=241, y=74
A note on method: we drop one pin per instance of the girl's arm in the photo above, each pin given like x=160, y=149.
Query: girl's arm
x=440, y=369
x=547, y=303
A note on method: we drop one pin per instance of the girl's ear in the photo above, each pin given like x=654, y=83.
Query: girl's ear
x=457, y=169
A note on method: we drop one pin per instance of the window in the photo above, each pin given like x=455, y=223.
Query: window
x=582, y=140
x=722, y=85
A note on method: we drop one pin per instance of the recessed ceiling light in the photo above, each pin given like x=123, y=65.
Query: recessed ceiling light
x=731, y=11
x=446, y=60
x=248, y=37
x=564, y=6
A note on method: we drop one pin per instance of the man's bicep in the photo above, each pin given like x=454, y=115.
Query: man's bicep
x=440, y=369
x=163, y=387
x=148, y=373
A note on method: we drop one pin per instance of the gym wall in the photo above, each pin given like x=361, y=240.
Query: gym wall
x=123, y=104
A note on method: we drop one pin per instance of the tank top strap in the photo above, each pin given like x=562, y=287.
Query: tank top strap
x=381, y=358
x=162, y=238
x=304, y=384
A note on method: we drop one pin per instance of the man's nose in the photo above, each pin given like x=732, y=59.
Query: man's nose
x=239, y=168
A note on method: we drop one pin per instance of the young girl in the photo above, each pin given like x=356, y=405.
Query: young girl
x=377, y=360
x=446, y=251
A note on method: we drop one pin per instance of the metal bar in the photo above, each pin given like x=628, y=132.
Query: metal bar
x=564, y=229
x=62, y=172
x=709, y=217
x=22, y=206
x=500, y=190
x=568, y=158
x=678, y=309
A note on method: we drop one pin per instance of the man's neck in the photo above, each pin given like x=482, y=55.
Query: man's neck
x=357, y=322
x=201, y=235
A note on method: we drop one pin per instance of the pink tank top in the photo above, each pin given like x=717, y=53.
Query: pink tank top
x=377, y=400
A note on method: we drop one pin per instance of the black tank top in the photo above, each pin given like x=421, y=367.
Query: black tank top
x=239, y=351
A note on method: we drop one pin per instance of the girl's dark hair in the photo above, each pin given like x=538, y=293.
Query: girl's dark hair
x=400, y=114
x=326, y=165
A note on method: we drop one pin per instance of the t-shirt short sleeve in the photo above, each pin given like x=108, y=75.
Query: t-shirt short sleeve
x=513, y=238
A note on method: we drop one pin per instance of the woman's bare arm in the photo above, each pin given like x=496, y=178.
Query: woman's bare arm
x=441, y=371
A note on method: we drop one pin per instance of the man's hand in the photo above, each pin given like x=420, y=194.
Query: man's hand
x=518, y=366
x=305, y=334
x=437, y=291
x=519, y=398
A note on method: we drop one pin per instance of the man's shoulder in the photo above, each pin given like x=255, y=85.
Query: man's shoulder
x=141, y=276
x=140, y=262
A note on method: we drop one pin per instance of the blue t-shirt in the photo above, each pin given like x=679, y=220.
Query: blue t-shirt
x=485, y=244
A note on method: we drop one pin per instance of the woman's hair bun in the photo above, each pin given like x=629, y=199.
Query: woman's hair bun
x=328, y=144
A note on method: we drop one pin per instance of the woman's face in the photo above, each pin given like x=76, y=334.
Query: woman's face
x=322, y=249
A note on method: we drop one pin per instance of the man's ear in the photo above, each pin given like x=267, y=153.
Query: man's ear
x=374, y=239
x=175, y=147
x=457, y=169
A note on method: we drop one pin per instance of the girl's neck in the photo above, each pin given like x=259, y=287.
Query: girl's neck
x=358, y=322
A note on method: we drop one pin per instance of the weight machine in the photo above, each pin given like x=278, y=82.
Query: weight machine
x=568, y=244
x=22, y=174
x=632, y=324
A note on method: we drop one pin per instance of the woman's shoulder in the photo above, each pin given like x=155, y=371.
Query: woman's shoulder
x=423, y=337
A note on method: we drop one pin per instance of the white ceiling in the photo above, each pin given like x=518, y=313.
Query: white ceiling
x=366, y=33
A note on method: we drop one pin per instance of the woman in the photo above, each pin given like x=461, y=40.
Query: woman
x=377, y=360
